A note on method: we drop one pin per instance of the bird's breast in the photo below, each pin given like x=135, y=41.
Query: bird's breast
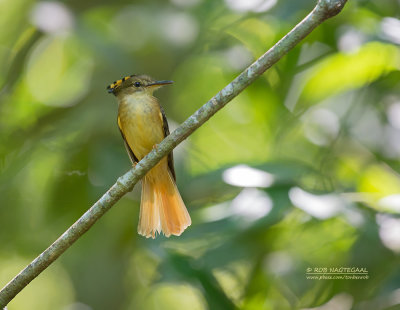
x=141, y=122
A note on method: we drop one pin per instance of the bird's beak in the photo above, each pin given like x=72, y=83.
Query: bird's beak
x=160, y=83
x=110, y=90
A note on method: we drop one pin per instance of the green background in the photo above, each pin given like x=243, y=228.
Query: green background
x=299, y=171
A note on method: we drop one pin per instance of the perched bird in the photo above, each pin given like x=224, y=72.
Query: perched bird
x=143, y=125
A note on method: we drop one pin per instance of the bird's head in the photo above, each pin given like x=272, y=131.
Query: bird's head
x=136, y=83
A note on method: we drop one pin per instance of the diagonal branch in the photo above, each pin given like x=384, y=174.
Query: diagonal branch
x=322, y=11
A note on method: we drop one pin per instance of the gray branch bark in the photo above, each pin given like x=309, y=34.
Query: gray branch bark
x=322, y=11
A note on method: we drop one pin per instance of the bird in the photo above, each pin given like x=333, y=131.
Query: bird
x=143, y=125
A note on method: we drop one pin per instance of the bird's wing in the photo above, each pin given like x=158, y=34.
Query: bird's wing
x=128, y=149
x=166, y=133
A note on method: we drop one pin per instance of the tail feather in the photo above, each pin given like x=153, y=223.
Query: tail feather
x=162, y=208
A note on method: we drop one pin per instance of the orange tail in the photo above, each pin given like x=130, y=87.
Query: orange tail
x=161, y=208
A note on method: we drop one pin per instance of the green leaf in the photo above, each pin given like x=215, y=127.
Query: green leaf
x=342, y=72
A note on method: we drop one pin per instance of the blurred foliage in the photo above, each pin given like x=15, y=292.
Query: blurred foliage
x=299, y=171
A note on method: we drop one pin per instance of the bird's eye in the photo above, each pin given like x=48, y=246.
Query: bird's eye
x=137, y=84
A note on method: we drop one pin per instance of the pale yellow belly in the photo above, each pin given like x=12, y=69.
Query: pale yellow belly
x=141, y=123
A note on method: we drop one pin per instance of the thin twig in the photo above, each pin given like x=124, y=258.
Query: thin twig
x=323, y=10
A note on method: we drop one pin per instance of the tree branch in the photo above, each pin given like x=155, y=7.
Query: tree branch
x=322, y=11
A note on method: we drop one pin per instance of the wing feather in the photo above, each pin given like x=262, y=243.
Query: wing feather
x=166, y=133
